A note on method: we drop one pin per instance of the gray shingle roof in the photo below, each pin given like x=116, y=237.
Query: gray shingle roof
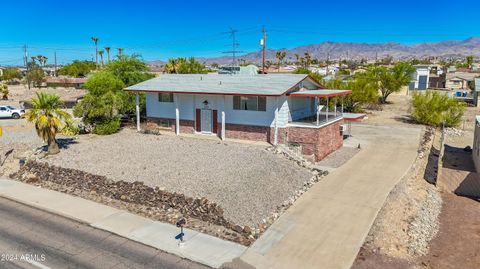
x=271, y=84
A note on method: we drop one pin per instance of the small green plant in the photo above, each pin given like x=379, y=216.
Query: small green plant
x=107, y=127
x=70, y=128
x=435, y=109
x=4, y=91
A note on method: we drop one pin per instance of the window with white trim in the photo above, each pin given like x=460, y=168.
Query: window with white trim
x=253, y=103
x=165, y=97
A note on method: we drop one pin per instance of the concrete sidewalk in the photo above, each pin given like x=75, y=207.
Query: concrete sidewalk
x=201, y=248
x=327, y=225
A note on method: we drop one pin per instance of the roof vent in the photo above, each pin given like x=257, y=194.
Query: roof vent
x=201, y=77
x=220, y=83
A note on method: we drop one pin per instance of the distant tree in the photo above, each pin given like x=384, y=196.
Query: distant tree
x=308, y=59
x=107, y=49
x=469, y=61
x=280, y=55
x=48, y=117
x=390, y=80
x=100, y=52
x=119, y=52
x=297, y=58
x=10, y=74
x=95, y=41
x=77, y=69
x=364, y=92
x=35, y=75
x=184, y=66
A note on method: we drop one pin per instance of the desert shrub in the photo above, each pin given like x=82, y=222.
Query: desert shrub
x=4, y=91
x=107, y=127
x=70, y=128
x=434, y=109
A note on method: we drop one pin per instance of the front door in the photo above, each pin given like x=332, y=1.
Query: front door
x=206, y=121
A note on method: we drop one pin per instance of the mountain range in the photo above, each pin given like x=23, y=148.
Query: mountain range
x=357, y=51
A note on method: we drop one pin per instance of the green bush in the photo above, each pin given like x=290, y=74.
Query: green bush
x=107, y=127
x=70, y=128
x=434, y=109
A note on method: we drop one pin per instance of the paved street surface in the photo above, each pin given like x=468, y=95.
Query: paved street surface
x=52, y=241
x=327, y=225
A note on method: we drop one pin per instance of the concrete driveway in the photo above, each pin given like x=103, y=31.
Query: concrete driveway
x=326, y=227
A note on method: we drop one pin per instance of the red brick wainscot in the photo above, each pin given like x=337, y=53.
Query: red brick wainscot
x=315, y=141
x=251, y=132
x=186, y=126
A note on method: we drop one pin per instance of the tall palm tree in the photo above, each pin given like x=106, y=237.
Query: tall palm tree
x=100, y=52
x=280, y=56
x=48, y=117
x=120, y=52
x=34, y=58
x=95, y=40
x=308, y=59
x=297, y=57
x=171, y=67
x=107, y=49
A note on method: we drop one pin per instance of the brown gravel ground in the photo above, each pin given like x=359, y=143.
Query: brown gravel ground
x=456, y=245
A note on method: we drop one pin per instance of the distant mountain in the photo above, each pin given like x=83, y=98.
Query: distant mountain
x=337, y=50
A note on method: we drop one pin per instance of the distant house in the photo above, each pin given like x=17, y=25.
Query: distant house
x=420, y=79
x=293, y=109
x=65, y=82
x=459, y=80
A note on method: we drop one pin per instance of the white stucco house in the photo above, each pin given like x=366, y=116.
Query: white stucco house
x=420, y=79
x=276, y=108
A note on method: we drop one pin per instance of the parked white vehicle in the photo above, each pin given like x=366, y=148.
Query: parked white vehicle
x=11, y=112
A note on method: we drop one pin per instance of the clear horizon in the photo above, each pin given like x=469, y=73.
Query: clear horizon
x=162, y=30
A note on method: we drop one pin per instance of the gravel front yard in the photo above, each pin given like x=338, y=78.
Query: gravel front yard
x=247, y=181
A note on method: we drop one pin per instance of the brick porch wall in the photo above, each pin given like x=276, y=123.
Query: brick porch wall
x=317, y=141
x=186, y=126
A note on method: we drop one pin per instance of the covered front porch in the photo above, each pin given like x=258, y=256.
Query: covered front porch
x=325, y=107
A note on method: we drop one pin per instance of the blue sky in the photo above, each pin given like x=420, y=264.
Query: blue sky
x=164, y=29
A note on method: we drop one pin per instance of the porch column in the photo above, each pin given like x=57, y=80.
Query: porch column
x=177, y=115
x=222, y=136
x=275, y=134
x=137, y=110
x=318, y=110
x=327, y=107
x=335, y=108
x=343, y=97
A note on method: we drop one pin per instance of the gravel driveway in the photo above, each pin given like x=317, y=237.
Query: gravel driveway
x=247, y=181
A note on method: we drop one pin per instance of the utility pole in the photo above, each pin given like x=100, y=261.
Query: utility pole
x=263, y=42
x=25, y=54
x=55, y=58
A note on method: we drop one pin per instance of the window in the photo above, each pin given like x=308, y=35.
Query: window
x=3, y=108
x=253, y=103
x=165, y=97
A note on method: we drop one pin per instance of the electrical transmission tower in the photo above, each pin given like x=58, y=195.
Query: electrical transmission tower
x=234, y=45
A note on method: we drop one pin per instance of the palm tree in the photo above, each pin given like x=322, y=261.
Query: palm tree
x=171, y=67
x=107, y=49
x=100, y=52
x=308, y=59
x=120, y=52
x=34, y=58
x=297, y=57
x=280, y=56
x=95, y=40
x=48, y=117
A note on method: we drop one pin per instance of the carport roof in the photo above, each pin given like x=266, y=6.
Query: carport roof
x=264, y=85
x=320, y=93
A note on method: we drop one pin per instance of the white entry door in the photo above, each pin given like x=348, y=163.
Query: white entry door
x=206, y=122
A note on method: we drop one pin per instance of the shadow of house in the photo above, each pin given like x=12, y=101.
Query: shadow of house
x=458, y=173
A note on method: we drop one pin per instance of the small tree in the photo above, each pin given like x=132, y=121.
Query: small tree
x=77, y=69
x=390, y=80
x=35, y=75
x=10, y=74
x=48, y=117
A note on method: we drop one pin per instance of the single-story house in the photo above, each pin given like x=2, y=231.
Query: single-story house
x=459, y=80
x=65, y=82
x=293, y=109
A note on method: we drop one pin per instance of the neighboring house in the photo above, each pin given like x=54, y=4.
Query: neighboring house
x=476, y=145
x=436, y=81
x=420, y=78
x=326, y=70
x=238, y=70
x=65, y=82
x=459, y=80
x=276, y=108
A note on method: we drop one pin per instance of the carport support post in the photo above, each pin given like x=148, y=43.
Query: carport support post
x=137, y=110
x=327, y=107
x=223, y=126
x=318, y=110
x=177, y=116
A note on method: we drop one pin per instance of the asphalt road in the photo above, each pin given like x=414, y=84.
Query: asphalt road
x=34, y=239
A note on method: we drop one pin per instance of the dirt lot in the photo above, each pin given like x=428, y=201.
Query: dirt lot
x=19, y=93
